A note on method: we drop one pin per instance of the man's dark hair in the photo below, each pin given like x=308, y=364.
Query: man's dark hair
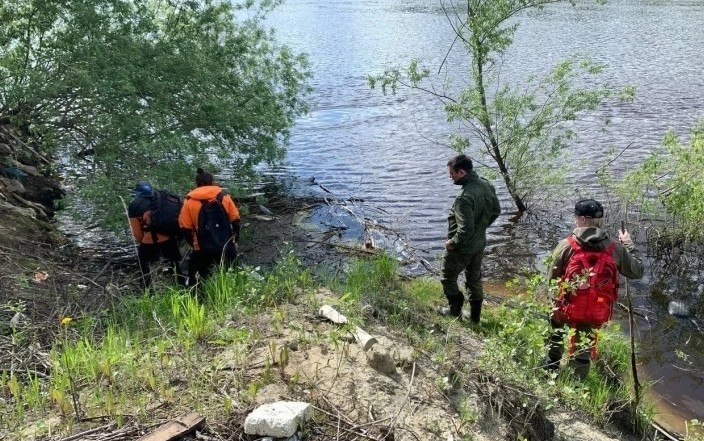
x=203, y=178
x=461, y=162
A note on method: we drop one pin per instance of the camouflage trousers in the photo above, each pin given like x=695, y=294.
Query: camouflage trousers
x=453, y=263
x=580, y=360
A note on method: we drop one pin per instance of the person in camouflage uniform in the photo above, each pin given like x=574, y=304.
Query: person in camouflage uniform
x=588, y=219
x=475, y=208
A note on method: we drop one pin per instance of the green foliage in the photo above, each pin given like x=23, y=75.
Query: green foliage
x=516, y=345
x=150, y=89
x=694, y=430
x=226, y=287
x=190, y=314
x=148, y=345
x=672, y=182
x=517, y=333
x=514, y=348
x=367, y=279
x=523, y=130
x=281, y=285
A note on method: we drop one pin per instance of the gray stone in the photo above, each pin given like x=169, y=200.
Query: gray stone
x=381, y=361
x=404, y=357
x=292, y=345
x=17, y=320
x=280, y=419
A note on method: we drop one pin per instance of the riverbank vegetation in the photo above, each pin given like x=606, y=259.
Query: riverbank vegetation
x=126, y=90
x=252, y=336
x=521, y=131
x=670, y=182
x=123, y=90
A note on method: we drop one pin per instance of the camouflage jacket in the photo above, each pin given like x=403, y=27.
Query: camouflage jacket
x=475, y=208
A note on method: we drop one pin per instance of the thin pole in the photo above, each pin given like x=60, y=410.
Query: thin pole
x=134, y=242
x=631, y=331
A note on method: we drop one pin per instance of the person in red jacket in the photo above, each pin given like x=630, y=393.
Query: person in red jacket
x=209, y=246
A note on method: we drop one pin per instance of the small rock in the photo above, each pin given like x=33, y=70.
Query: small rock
x=113, y=290
x=678, y=309
x=381, y=361
x=280, y=419
x=368, y=311
x=17, y=320
x=404, y=357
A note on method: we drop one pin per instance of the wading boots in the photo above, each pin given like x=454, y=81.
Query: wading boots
x=475, y=310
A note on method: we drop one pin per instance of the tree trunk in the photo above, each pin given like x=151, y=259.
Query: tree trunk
x=486, y=123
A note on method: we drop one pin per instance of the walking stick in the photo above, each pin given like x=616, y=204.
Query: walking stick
x=134, y=242
x=631, y=331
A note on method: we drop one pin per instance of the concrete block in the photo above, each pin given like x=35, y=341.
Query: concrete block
x=280, y=419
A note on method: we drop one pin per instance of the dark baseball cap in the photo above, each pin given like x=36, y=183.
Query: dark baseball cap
x=143, y=188
x=589, y=208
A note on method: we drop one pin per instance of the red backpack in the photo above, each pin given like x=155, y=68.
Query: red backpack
x=588, y=288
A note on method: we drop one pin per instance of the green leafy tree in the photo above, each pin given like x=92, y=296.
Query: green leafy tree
x=523, y=131
x=148, y=88
x=671, y=182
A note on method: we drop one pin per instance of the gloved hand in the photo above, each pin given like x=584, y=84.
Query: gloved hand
x=625, y=238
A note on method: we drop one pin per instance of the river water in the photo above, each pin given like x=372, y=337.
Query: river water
x=391, y=151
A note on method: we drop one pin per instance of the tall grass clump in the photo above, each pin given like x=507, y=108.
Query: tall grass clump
x=282, y=284
x=151, y=347
x=373, y=285
x=368, y=279
x=226, y=288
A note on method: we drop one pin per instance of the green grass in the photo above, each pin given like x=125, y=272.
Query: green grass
x=160, y=348
x=514, y=334
x=149, y=349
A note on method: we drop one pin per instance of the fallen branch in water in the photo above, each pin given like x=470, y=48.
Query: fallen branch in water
x=360, y=249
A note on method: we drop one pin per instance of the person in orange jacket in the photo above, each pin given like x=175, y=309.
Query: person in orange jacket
x=151, y=245
x=215, y=241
